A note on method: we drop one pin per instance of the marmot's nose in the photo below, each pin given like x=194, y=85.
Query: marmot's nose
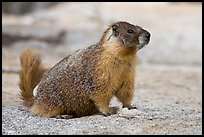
x=146, y=34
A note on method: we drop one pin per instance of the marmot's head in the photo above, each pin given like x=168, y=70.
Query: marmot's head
x=126, y=35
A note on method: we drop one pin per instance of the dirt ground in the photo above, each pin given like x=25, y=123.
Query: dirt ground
x=168, y=87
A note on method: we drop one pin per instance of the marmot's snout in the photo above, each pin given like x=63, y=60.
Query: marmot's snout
x=144, y=39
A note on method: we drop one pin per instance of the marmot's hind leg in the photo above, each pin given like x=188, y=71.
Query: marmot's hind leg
x=42, y=110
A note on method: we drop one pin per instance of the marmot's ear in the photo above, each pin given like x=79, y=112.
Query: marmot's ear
x=115, y=29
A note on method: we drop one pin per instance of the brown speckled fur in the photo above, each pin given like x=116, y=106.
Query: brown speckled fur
x=84, y=82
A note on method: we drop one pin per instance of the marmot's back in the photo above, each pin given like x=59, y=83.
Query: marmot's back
x=69, y=84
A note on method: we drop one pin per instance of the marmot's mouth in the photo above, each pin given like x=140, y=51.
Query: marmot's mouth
x=142, y=44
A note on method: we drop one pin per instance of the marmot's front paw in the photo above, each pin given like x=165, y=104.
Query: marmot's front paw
x=130, y=107
x=64, y=116
x=113, y=110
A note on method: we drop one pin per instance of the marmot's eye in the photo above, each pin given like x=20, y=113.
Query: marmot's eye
x=130, y=31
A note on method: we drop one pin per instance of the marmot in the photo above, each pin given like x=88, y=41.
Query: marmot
x=84, y=82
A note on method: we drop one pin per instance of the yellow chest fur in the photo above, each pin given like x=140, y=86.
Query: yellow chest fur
x=114, y=69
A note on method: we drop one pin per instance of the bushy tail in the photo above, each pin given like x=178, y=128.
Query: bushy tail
x=30, y=75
